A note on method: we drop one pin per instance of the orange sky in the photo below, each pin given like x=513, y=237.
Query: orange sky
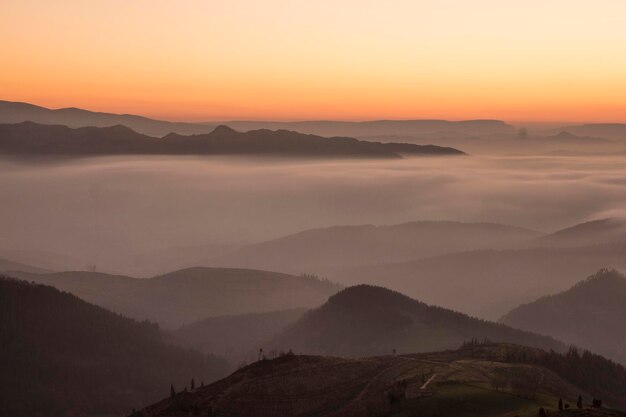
x=341, y=59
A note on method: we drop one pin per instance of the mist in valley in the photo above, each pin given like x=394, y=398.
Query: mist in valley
x=121, y=214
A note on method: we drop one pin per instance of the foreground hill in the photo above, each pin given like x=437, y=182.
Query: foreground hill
x=477, y=380
x=191, y=294
x=31, y=139
x=487, y=283
x=590, y=314
x=322, y=250
x=61, y=356
x=235, y=336
x=366, y=320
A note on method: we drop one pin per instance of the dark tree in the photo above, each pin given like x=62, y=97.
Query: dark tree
x=172, y=391
x=560, y=404
x=579, y=403
x=193, y=384
x=542, y=412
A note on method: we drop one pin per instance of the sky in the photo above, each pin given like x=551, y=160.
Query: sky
x=533, y=60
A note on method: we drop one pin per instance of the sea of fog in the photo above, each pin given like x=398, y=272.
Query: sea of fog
x=110, y=211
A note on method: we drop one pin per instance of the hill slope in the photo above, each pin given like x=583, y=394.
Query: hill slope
x=366, y=320
x=191, y=294
x=61, y=356
x=590, y=314
x=236, y=336
x=475, y=381
x=322, y=250
x=28, y=139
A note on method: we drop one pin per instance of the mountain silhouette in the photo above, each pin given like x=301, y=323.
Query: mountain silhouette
x=30, y=138
x=17, y=112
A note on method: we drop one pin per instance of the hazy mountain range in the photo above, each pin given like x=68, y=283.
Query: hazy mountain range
x=613, y=131
x=327, y=249
x=16, y=112
x=28, y=138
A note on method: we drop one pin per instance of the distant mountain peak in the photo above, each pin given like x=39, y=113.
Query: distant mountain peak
x=223, y=130
x=364, y=293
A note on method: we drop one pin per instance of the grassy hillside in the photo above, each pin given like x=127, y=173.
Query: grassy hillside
x=591, y=314
x=61, y=356
x=184, y=296
x=365, y=320
x=474, y=381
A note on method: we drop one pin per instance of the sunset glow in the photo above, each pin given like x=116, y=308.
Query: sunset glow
x=559, y=60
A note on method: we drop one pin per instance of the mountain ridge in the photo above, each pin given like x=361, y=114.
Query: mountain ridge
x=29, y=138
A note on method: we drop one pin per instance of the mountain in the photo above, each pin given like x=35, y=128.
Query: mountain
x=430, y=128
x=191, y=294
x=32, y=139
x=61, y=356
x=613, y=131
x=16, y=112
x=589, y=233
x=324, y=250
x=224, y=140
x=235, y=336
x=488, y=283
x=366, y=320
x=592, y=314
x=490, y=380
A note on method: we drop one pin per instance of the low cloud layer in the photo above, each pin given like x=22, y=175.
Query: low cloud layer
x=104, y=211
